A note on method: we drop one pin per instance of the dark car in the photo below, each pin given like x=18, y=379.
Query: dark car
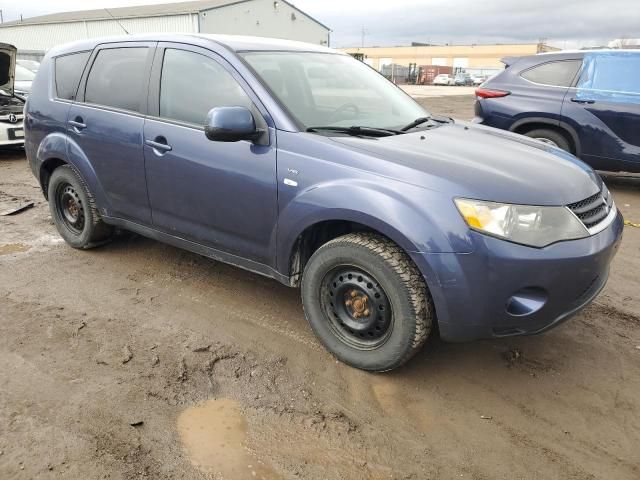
x=463, y=79
x=391, y=220
x=586, y=103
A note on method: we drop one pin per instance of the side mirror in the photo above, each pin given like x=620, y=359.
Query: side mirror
x=231, y=124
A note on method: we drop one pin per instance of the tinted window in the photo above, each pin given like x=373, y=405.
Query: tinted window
x=617, y=72
x=68, y=71
x=117, y=78
x=560, y=74
x=192, y=84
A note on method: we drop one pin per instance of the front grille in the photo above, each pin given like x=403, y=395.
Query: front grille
x=593, y=210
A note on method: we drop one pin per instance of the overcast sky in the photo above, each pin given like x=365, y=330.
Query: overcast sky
x=565, y=23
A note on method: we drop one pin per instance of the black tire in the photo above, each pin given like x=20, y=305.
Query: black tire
x=74, y=211
x=388, y=277
x=550, y=136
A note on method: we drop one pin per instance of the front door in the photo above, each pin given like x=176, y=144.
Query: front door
x=106, y=122
x=222, y=195
x=605, y=109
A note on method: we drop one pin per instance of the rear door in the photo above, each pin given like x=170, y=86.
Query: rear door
x=545, y=86
x=604, y=108
x=106, y=121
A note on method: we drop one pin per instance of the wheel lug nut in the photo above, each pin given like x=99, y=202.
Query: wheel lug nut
x=348, y=303
x=353, y=293
x=356, y=315
x=366, y=313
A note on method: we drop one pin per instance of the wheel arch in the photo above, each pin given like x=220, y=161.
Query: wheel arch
x=525, y=125
x=58, y=149
x=316, y=234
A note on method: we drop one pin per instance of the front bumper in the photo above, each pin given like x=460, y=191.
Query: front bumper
x=11, y=133
x=504, y=289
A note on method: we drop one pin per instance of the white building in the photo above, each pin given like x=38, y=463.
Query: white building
x=266, y=18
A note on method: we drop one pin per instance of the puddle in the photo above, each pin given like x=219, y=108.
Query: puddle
x=10, y=248
x=214, y=434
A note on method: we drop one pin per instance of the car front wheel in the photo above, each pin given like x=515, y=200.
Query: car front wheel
x=366, y=301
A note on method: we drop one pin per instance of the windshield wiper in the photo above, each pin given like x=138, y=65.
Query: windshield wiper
x=431, y=118
x=357, y=130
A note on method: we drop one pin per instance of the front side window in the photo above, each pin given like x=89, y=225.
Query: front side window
x=192, y=84
x=557, y=74
x=117, y=78
x=68, y=71
x=611, y=72
x=326, y=89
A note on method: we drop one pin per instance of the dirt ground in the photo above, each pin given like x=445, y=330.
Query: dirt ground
x=139, y=360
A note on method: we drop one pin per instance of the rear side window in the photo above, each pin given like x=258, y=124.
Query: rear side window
x=117, y=78
x=612, y=72
x=558, y=74
x=68, y=72
x=192, y=84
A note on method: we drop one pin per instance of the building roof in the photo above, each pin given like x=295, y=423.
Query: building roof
x=160, y=9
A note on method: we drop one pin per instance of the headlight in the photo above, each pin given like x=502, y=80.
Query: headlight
x=525, y=224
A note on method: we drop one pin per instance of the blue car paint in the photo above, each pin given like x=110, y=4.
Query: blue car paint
x=602, y=126
x=401, y=186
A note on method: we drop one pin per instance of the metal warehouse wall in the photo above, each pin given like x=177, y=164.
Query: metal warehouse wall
x=44, y=36
x=263, y=18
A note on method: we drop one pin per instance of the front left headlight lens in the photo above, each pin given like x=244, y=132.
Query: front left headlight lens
x=526, y=224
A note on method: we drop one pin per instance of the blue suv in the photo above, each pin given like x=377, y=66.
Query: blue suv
x=585, y=102
x=305, y=165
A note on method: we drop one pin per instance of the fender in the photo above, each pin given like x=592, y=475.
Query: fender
x=550, y=121
x=407, y=216
x=53, y=146
x=60, y=146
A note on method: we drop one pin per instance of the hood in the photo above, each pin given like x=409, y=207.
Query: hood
x=484, y=163
x=7, y=67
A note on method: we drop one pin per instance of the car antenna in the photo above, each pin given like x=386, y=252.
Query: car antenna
x=117, y=21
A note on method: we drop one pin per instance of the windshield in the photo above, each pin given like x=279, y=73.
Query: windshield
x=23, y=74
x=323, y=89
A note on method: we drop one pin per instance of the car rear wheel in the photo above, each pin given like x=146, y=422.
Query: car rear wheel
x=366, y=301
x=550, y=137
x=73, y=210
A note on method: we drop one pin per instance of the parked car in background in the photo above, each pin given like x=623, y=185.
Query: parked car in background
x=31, y=65
x=11, y=105
x=391, y=220
x=23, y=79
x=463, y=79
x=478, y=79
x=443, y=79
x=584, y=102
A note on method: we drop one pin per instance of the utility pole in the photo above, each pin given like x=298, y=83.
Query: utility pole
x=364, y=32
x=1, y=17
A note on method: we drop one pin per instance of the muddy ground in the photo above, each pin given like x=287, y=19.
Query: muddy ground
x=139, y=360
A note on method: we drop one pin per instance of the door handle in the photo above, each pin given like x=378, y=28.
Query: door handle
x=78, y=123
x=159, y=143
x=583, y=101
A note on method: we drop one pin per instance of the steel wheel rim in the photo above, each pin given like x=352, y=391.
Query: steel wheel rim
x=69, y=205
x=357, y=307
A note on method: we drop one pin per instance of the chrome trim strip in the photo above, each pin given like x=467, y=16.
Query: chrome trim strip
x=606, y=222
